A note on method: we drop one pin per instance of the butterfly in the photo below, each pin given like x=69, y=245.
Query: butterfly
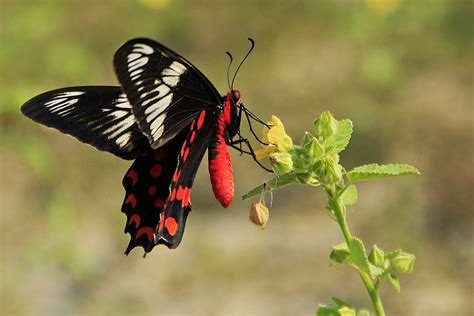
x=164, y=115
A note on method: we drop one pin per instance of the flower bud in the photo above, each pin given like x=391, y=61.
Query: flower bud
x=325, y=125
x=404, y=262
x=259, y=214
x=339, y=254
x=330, y=172
x=316, y=150
x=376, y=257
x=281, y=162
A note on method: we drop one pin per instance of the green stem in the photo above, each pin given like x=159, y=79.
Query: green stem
x=338, y=209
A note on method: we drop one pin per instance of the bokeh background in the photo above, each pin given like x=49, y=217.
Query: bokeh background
x=402, y=71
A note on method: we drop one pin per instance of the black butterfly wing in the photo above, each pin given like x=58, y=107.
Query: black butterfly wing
x=147, y=187
x=166, y=91
x=178, y=205
x=158, y=187
x=97, y=115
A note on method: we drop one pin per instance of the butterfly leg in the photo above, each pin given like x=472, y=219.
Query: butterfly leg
x=250, y=152
x=239, y=115
x=248, y=116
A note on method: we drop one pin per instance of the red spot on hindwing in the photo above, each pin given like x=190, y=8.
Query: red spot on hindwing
x=186, y=197
x=201, y=119
x=155, y=171
x=159, y=154
x=180, y=193
x=132, y=174
x=131, y=199
x=193, y=135
x=171, y=225
x=135, y=218
x=152, y=190
x=145, y=230
x=159, y=203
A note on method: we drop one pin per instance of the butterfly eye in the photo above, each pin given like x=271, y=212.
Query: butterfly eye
x=236, y=96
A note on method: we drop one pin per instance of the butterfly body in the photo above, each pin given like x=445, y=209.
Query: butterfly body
x=164, y=115
x=220, y=166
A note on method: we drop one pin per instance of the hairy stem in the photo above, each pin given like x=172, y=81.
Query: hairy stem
x=338, y=209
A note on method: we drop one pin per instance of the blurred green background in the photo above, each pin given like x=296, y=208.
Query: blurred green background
x=402, y=71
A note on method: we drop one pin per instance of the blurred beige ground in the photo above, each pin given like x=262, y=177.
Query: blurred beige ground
x=400, y=70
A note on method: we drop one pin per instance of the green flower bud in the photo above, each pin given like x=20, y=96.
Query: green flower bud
x=339, y=254
x=312, y=146
x=376, y=257
x=325, y=125
x=306, y=139
x=259, y=214
x=299, y=157
x=404, y=262
x=317, y=150
x=281, y=162
x=329, y=172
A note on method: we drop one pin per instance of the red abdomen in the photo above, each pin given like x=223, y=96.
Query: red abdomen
x=220, y=170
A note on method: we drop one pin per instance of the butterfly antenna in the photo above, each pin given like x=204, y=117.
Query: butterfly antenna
x=228, y=68
x=252, y=43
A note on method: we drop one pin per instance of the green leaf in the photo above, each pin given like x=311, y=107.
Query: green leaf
x=363, y=312
x=339, y=254
x=374, y=171
x=276, y=182
x=358, y=256
x=339, y=140
x=349, y=196
x=395, y=282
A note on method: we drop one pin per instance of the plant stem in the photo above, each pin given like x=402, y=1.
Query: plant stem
x=337, y=207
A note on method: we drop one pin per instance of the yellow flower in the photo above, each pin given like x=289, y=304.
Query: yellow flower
x=276, y=138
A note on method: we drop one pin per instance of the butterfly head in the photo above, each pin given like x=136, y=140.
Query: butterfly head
x=235, y=96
